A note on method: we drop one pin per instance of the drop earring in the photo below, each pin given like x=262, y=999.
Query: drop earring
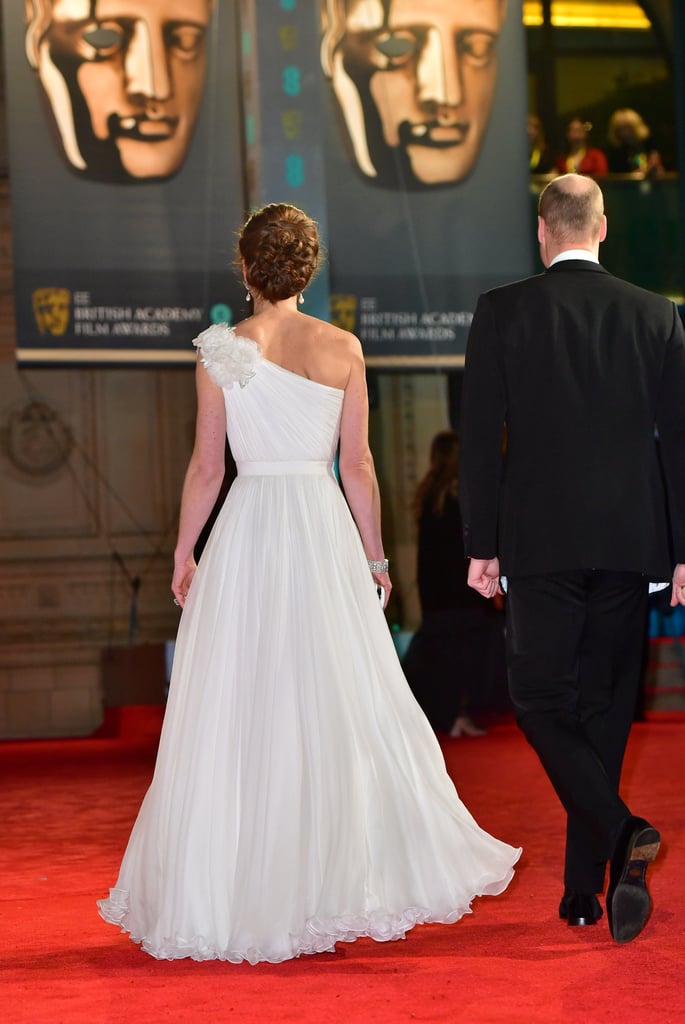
x=248, y=293
x=300, y=298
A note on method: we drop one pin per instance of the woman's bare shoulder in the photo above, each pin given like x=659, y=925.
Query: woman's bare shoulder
x=344, y=341
x=347, y=342
x=344, y=347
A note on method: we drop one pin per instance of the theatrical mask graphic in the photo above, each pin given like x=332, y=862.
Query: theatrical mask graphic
x=52, y=308
x=414, y=81
x=124, y=80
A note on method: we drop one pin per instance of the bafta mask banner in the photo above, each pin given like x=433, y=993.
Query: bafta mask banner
x=426, y=168
x=126, y=175
x=142, y=130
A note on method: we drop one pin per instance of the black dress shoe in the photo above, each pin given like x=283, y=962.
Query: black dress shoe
x=628, y=899
x=580, y=908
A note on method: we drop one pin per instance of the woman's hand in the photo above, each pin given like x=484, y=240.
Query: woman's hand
x=382, y=579
x=181, y=580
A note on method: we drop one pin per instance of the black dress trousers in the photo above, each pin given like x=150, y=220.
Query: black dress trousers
x=574, y=651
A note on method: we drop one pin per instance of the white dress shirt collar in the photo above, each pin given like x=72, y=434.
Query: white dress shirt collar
x=575, y=254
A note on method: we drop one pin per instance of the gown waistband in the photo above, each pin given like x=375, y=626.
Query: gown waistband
x=304, y=467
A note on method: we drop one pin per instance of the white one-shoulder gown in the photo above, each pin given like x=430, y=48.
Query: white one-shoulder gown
x=300, y=797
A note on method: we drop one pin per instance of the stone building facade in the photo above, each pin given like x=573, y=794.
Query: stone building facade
x=91, y=465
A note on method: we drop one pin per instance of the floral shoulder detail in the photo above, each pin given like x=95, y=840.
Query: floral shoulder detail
x=228, y=358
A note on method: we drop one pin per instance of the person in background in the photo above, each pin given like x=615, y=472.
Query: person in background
x=447, y=664
x=630, y=149
x=540, y=157
x=580, y=157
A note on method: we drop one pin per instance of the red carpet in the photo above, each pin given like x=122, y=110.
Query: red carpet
x=67, y=809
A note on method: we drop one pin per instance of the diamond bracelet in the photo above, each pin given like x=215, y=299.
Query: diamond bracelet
x=381, y=566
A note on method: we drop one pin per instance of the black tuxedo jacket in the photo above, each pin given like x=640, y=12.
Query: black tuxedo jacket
x=582, y=367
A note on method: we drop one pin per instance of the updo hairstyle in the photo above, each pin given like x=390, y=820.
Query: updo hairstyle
x=280, y=247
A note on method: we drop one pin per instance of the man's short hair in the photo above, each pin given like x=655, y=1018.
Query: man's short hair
x=570, y=213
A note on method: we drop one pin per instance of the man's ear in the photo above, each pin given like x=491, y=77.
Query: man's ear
x=541, y=230
x=603, y=229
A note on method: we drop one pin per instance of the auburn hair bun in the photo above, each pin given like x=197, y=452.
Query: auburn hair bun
x=280, y=248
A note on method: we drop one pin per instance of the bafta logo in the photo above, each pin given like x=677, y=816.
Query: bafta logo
x=51, y=308
x=414, y=81
x=123, y=79
x=344, y=311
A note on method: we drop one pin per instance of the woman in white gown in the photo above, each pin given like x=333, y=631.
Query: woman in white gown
x=300, y=797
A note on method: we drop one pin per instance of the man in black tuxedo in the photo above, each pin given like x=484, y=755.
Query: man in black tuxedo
x=581, y=367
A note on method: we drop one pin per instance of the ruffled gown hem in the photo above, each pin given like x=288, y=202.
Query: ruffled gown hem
x=318, y=935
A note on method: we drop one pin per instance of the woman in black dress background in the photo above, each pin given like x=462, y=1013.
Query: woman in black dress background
x=455, y=661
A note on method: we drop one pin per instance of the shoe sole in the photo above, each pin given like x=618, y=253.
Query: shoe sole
x=631, y=902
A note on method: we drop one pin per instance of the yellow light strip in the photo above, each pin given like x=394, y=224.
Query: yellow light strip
x=588, y=14
x=104, y=355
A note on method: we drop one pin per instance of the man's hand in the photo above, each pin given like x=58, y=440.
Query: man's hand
x=484, y=576
x=678, y=591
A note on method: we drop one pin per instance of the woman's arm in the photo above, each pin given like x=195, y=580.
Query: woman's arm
x=203, y=479
x=356, y=466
